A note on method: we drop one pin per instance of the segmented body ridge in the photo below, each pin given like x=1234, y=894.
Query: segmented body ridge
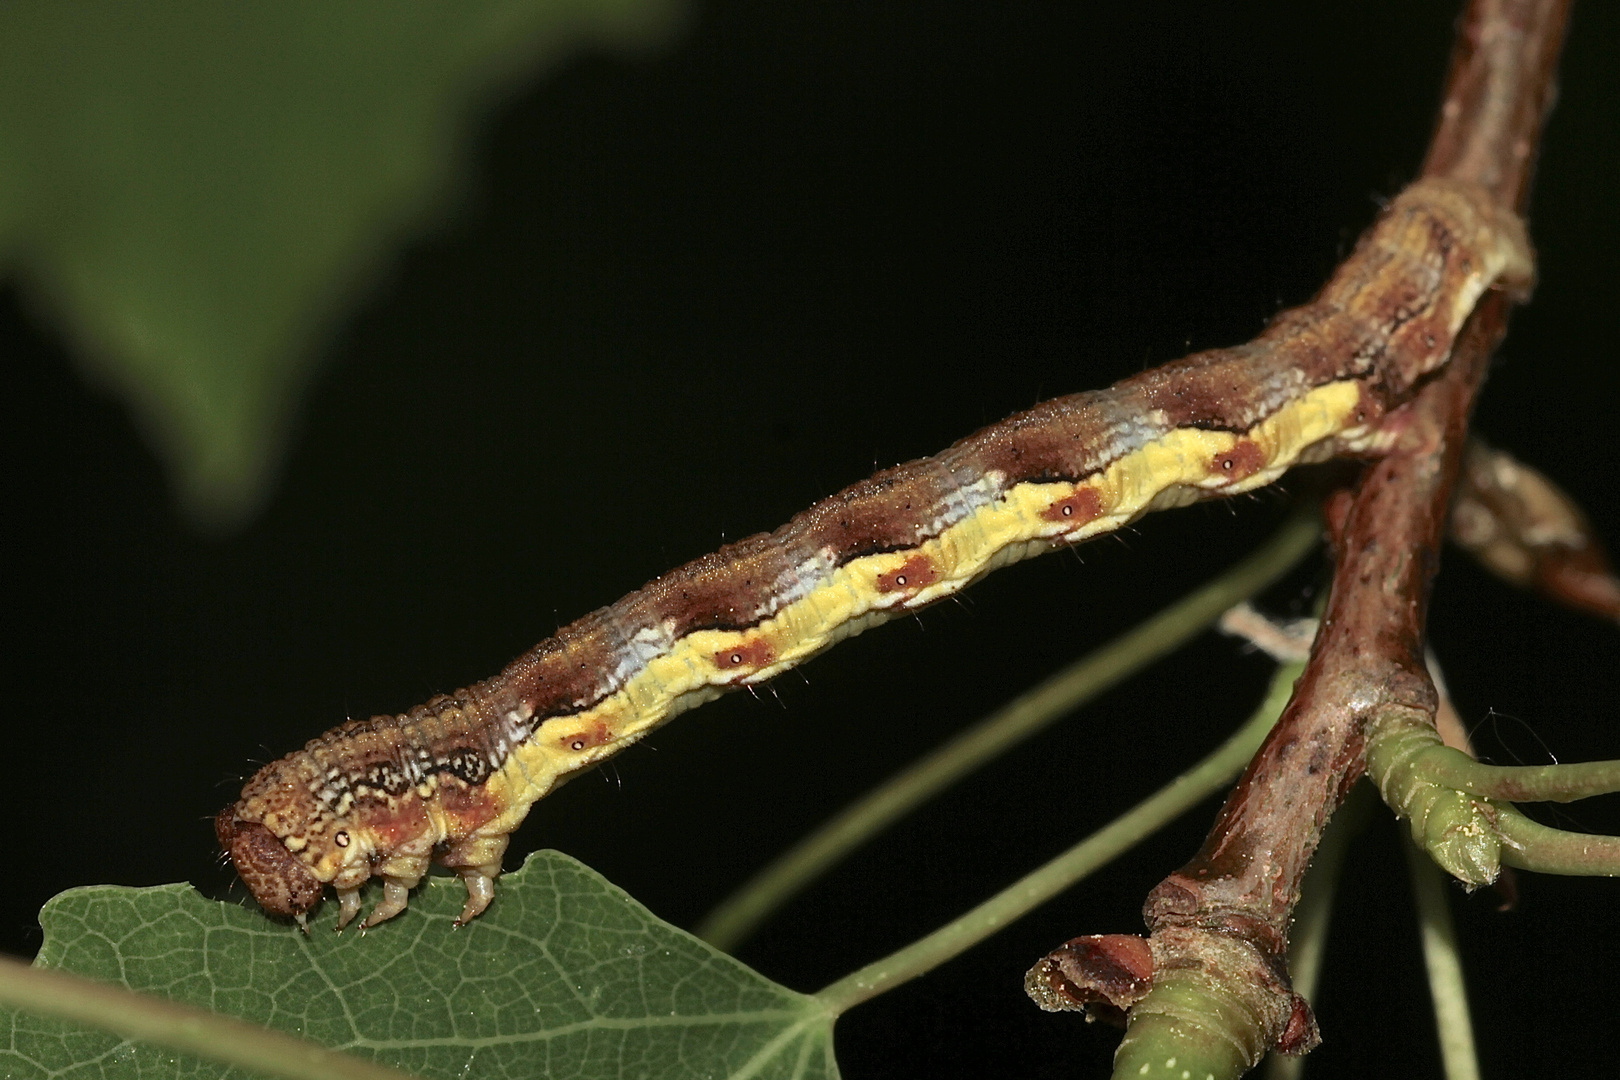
x=452, y=778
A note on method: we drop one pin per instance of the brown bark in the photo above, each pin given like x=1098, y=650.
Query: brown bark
x=1367, y=659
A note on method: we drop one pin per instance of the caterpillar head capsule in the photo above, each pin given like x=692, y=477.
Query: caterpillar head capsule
x=277, y=879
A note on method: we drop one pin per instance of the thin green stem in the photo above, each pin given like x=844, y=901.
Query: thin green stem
x=1440, y=957
x=1529, y=845
x=179, y=1027
x=1517, y=783
x=739, y=914
x=1468, y=833
x=1455, y=828
x=1207, y=777
x=1308, y=937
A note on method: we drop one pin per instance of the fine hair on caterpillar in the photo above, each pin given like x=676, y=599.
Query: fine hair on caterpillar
x=449, y=780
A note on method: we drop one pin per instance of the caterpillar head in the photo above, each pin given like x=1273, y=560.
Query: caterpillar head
x=286, y=843
x=278, y=880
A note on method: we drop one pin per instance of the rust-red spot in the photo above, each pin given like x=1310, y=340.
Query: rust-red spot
x=1084, y=506
x=748, y=656
x=1239, y=463
x=917, y=572
x=598, y=734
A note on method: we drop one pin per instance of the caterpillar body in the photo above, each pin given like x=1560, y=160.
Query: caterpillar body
x=449, y=780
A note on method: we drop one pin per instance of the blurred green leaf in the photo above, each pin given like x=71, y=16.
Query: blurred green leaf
x=565, y=976
x=194, y=189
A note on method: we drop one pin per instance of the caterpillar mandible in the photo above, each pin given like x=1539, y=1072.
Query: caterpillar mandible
x=449, y=780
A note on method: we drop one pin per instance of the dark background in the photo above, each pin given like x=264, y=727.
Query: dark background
x=693, y=293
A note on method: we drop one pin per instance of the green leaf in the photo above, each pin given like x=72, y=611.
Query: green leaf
x=565, y=976
x=196, y=188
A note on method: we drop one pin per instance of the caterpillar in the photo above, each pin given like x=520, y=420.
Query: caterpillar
x=449, y=780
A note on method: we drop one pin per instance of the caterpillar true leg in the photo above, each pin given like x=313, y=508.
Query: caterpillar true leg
x=400, y=873
x=480, y=882
x=396, y=893
x=478, y=860
x=348, y=906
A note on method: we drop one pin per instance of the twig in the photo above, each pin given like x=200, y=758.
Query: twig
x=1221, y=994
x=1313, y=914
x=1524, y=529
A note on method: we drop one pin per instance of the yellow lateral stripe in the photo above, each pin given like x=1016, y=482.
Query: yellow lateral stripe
x=1169, y=470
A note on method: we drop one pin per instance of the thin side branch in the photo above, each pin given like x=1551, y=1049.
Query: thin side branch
x=1523, y=528
x=1530, y=845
